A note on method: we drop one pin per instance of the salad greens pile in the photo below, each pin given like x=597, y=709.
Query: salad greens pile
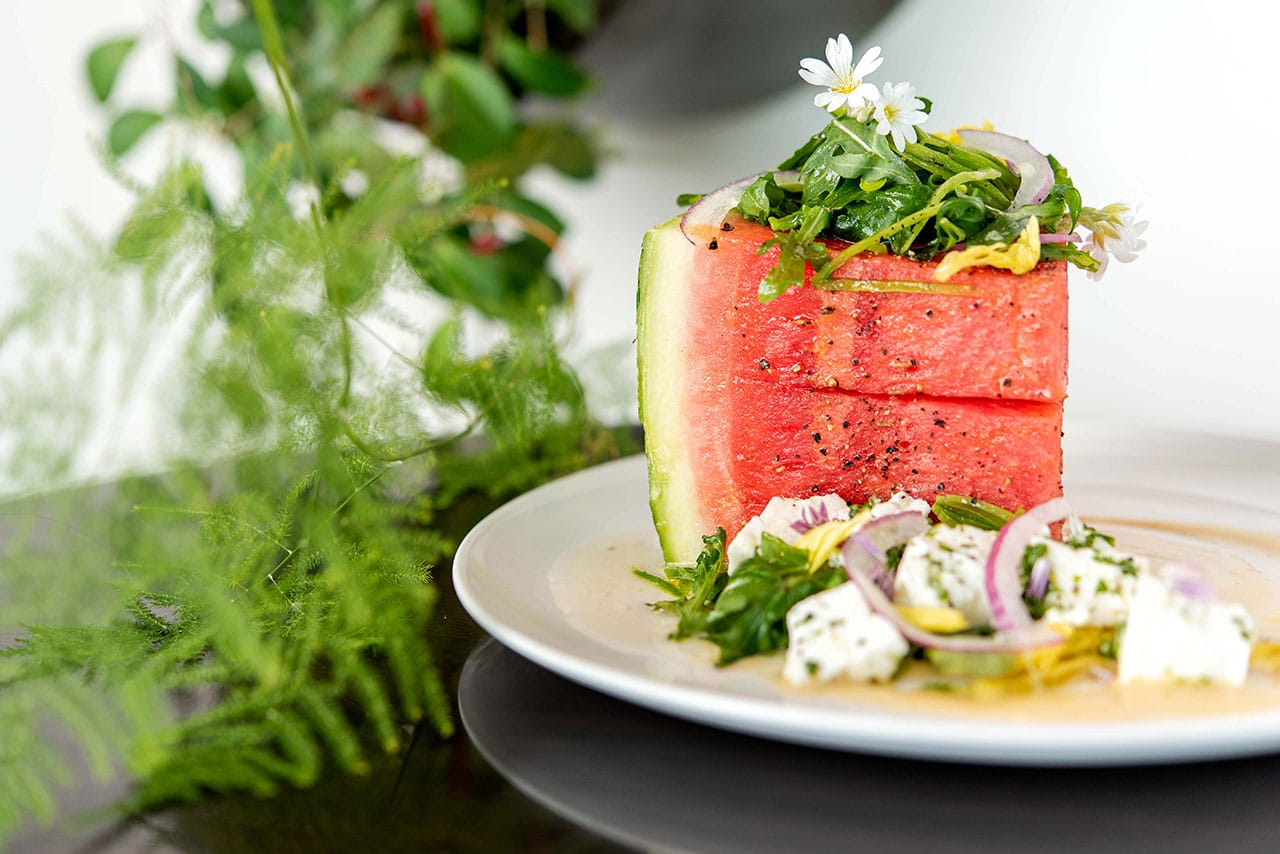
x=745, y=613
x=921, y=202
x=876, y=180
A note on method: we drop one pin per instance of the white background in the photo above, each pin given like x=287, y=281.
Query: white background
x=1171, y=103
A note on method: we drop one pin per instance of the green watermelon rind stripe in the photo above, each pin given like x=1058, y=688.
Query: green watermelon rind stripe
x=663, y=349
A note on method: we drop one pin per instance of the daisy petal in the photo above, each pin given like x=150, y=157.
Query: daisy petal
x=869, y=62
x=866, y=92
x=816, y=72
x=839, y=53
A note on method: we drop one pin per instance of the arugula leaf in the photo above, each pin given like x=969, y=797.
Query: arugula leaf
x=881, y=210
x=796, y=249
x=867, y=154
x=749, y=617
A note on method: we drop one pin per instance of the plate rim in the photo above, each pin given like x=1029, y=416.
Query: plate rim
x=858, y=728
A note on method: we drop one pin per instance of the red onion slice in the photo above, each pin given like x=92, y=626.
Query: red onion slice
x=1002, y=580
x=712, y=208
x=1029, y=165
x=1038, y=584
x=865, y=550
x=864, y=563
x=1032, y=637
x=1054, y=237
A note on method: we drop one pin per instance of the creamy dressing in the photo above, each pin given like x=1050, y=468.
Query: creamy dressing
x=600, y=597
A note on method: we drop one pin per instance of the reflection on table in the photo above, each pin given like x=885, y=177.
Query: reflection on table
x=647, y=780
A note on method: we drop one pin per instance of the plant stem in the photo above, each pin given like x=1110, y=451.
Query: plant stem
x=866, y=243
x=945, y=188
x=273, y=45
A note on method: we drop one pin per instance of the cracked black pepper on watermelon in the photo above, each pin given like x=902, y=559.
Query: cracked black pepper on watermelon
x=882, y=379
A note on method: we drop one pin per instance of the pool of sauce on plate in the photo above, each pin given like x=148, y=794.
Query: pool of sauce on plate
x=600, y=597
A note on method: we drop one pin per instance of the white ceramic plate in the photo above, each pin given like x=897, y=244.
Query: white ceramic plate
x=549, y=576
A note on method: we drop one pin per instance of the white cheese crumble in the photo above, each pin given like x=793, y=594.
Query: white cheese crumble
x=900, y=502
x=779, y=517
x=1173, y=637
x=835, y=633
x=946, y=567
x=1088, y=585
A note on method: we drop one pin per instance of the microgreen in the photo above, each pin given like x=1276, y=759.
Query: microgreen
x=876, y=180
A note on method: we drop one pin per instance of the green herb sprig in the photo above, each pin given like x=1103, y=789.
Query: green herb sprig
x=744, y=613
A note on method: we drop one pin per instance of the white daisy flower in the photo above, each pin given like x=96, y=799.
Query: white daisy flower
x=1114, y=232
x=840, y=77
x=898, y=111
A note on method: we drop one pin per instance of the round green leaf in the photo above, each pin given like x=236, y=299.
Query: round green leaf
x=540, y=71
x=578, y=15
x=470, y=111
x=103, y=65
x=128, y=128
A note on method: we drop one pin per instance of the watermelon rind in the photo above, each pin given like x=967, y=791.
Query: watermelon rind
x=664, y=354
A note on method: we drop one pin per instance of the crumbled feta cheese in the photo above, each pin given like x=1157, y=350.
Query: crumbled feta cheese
x=900, y=502
x=946, y=567
x=780, y=517
x=1173, y=637
x=1089, y=585
x=835, y=633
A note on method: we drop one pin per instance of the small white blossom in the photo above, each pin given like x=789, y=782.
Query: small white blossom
x=841, y=77
x=354, y=184
x=898, y=111
x=441, y=175
x=300, y=196
x=1114, y=232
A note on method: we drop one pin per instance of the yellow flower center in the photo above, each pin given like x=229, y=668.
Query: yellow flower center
x=846, y=83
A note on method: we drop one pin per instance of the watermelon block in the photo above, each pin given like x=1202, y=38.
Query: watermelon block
x=890, y=381
x=984, y=333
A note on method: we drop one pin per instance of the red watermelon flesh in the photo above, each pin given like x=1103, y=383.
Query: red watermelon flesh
x=904, y=385
x=983, y=333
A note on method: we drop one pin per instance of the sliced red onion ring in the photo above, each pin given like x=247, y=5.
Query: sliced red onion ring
x=811, y=517
x=712, y=208
x=1002, y=580
x=863, y=556
x=1032, y=637
x=865, y=550
x=1022, y=158
x=1054, y=237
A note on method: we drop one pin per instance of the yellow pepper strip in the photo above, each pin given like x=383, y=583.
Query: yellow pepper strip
x=1052, y=665
x=1026, y=683
x=941, y=620
x=822, y=541
x=1019, y=257
x=1266, y=656
x=953, y=136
